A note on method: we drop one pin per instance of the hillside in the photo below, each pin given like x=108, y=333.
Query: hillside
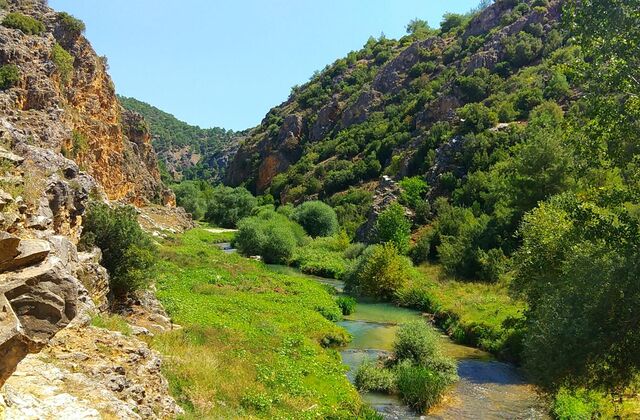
x=186, y=151
x=438, y=103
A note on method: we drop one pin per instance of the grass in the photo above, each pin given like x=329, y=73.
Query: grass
x=254, y=343
x=473, y=313
x=112, y=323
x=322, y=257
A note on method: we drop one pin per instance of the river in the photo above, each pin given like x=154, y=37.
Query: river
x=487, y=389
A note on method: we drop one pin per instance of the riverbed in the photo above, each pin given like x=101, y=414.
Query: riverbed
x=487, y=389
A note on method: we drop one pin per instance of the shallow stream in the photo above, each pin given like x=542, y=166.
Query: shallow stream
x=487, y=389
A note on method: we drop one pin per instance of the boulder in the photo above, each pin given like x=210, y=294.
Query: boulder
x=30, y=251
x=5, y=199
x=35, y=303
x=8, y=247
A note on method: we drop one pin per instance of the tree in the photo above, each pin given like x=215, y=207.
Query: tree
x=451, y=21
x=379, y=272
x=128, y=253
x=578, y=269
x=393, y=226
x=418, y=27
x=227, y=206
x=190, y=196
x=317, y=218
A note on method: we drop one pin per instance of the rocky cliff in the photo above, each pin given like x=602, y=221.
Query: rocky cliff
x=381, y=110
x=65, y=139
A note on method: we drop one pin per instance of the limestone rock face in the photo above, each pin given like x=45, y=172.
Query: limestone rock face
x=97, y=374
x=77, y=114
x=38, y=297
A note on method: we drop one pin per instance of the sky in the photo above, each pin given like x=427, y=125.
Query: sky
x=226, y=63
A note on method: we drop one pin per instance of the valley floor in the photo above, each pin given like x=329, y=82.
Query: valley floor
x=254, y=343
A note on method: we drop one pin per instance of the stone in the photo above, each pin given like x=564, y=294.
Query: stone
x=5, y=199
x=30, y=251
x=8, y=247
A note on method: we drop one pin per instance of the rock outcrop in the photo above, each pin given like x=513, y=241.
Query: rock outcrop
x=64, y=139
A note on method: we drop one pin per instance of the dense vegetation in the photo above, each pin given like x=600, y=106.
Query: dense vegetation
x=9, y=76
x=269, y=334
x=517, y=218
x=171, y=137
x=417, y=371
x=24, y=23
x=128, y=253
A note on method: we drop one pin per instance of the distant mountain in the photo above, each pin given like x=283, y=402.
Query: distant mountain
x=186, y=151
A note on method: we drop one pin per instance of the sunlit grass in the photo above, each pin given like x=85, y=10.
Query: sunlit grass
x=254, y=343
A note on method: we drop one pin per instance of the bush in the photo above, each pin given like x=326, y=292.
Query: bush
x=379, y=272
x=24, y=23
x=393, y=226
x=317, y=218
x=579, y=405
x=227, y=206
x=476, y=117
x=451, y=21
x=189, y=195
x=322, y=257
x=353, y=251
x=9, y=76
x=419, y=387
x=346, y=304
x=70, y=23
x=417, y=342
x=373, y=378
x=270, y=235
x=128, y=253
x=63, y=62
x=4, y=4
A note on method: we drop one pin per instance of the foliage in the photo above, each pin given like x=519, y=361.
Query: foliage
x=253, y=340
x=371, y=378
x=24, y=23
x=4, y=4
x=347, y=304
x=63, y=62
x=9, y=76
x=322, y=257
x=226, y=206
x=393, y=227
x=270, y=235
x=379, y=272
x=419, y=387
x=128, y=253
x=70, y=23
x=171, y=135
x=317, y=218
x=578, y=268
x=190, y=196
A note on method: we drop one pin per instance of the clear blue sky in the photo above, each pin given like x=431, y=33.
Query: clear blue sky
x=226, y=63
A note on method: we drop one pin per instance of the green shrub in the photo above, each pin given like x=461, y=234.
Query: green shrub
x=417, y=342
x=270, y=235
x=70, y=23
x=347, y=304
x=63, y=62
x=128, y=253
x=191, y=197
x=317, y=218
x=227, y=206
x=419, y=387
x=322, y=257
x=9, y=76
x=451, y=21
x=394, y=227
x=476, y=117
x=353, y=251
x=24, y=23
x=579, y=405
x=373, y=378
x=379, y=272
x=4, y=4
